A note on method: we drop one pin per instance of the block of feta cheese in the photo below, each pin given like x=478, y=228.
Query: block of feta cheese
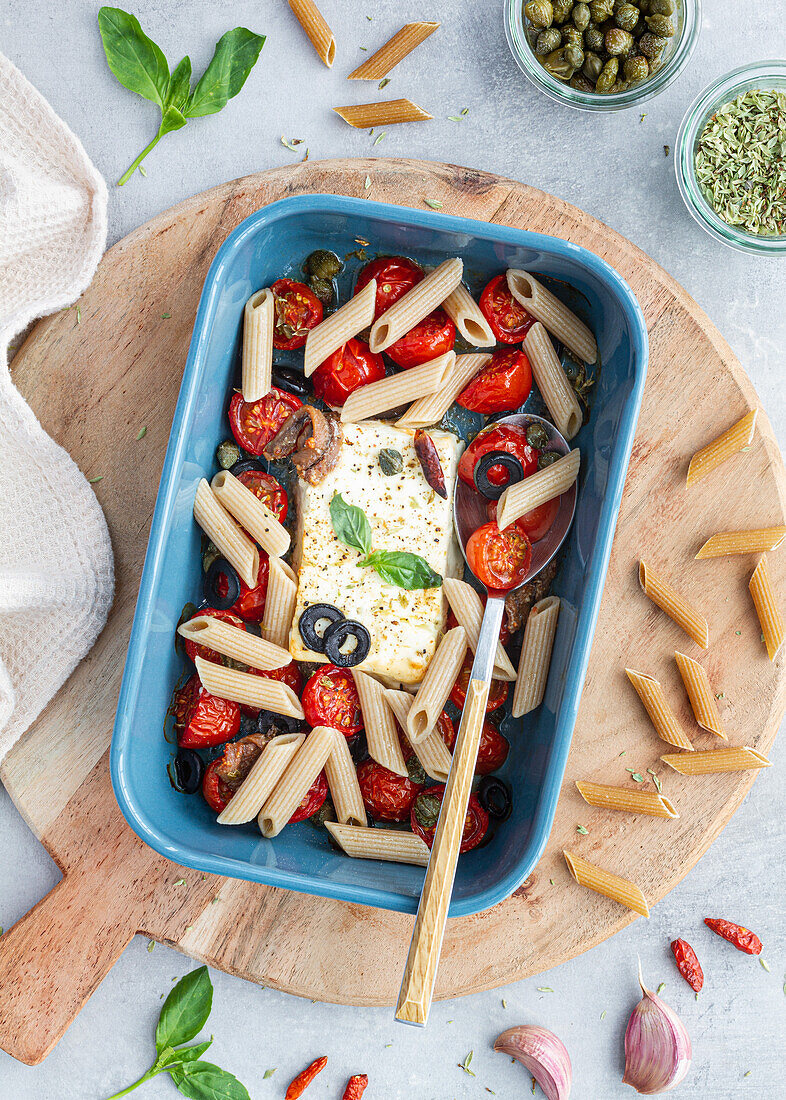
x=405, y=515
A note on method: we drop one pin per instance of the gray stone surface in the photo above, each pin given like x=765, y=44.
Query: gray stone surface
x=614, y=167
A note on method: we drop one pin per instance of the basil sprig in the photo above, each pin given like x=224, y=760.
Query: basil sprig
x=408, y=571
x=184, y=1014
x=139, y=65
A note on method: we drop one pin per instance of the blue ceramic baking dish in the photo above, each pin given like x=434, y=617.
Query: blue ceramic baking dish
x=269, y=243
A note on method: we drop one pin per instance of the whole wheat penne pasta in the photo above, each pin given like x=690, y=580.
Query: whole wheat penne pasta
x=734, y=439
x=467, y=606
x=235, y=642
x=770, y=617
x=627, y=801
x=555, y=389
x=546, y=484
x=702, y=701
x=604, y=882
x=676, y=607
x=535, y=658
x=468, y=318
x=553, y=314
x=434, y=690
x=313, y=23
x=416, y=304
x=394, y=847
x=294, y=784
x=381, y=733
x=257, y=357
x=663, y=718
x=431, y=408
x=245, y=687
x=258, y=785
x=716, y=760
x=332, y=333
x=432, y=752
x=759, y=541
x=395, y=49
x=388, y=113
x=397, y=389
x=231, y=540
x=280, y=601
x=249, y=511
x=342, y=779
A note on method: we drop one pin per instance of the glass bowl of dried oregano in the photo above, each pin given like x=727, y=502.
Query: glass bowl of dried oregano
x=731, y=159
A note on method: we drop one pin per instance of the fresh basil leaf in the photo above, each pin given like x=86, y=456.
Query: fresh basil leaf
x=350, y=524
x=185, y=1010
x=235, y=56
x=408, y=571
x=171, y=1058
x=204, y=1081
x=180, y=85
x=171, y=120
x=135, y=59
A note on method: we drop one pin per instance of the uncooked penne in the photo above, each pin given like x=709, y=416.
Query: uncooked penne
x=342, y=779
x=661, y=715
x=431, y=408
x=468, y=318
x=260, y=782
x=535, y=658
x=432, y=752
x=553, y=314
x=759, y=541
x=395, y=847
x=435, y=687
x=416, y=304
x=221, y=529
x=397, y=389
x=770, y=618
x=294, y=784
x=252, y=515
x=604, y=882
x=246, y=688
x=702, y=701
x=314, y=24
x=734, y=439
x=381, y=733
x=625, y=800
x=676, y=606
x=716, y=760
x=395, y=49
x=257, y=355
x=467, y=606
x=364, y=116
x=235, y=642
x=280, y=601
x=555, y=389
x=332, y=333
x=546, y=484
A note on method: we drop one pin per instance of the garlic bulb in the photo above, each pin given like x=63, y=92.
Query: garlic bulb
x=657, y=1046
x=543, y=1054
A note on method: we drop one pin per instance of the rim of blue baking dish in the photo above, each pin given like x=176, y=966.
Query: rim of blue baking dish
x=180, y=852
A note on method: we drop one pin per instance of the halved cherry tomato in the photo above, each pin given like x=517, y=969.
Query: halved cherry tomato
x=216, y=792
x=501, y=437
x=431, y=337
x=504, y=383
x=351, y=366
x=395, y=275
x=297, y=309
x=255, y=423
x=534, y=524
x=265, y=487
x=386, y=795
x=508, y=318
x=250, y=604
x=193, y=650
x=201, y=719
x=289, y=674
x=499, y=559
x=425, y=812
x=498, y=692
x=312, y=800
x=330, y=698
x=493, y=750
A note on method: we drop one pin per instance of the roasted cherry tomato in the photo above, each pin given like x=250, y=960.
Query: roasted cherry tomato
x=431, y=337
x=225, y=774
x=534, y=524
x=193, y=650
x=425, y=812
x=352, y=366
x=265, y=487
x=501, y=437
x=386, y=795
x=288, y=674
x=250, y=604
x=201, y=719
x=255, y=423
x=313, y=799
x=498, y=692
x=216, y=792
x=330, y=698
x=494, y=748
x=499, y=559
x=395, y=275
x=508, y=318
x=504, y=383
x=297, y=309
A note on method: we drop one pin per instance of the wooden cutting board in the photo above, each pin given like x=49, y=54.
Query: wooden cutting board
x=94, y=383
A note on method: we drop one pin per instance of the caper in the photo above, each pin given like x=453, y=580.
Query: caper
x=547, y=458
x=619, y=43
x=537, y=436
x=326, y=812
x=390, y=461
x=575, y=372
x=627, y=17
x=593, y=38
x=572, y=36
x=558, y=65
x=227, y=454
x=619, y=86
x=562, y=9
x=581, y=16
x=322, y=289
x=416, y=772
x=605, y=81
x=661, y=25
x=652, y=45
x=539, y=12
x=210, y=554
x=636, y=68
x=661, y=7
x=601, y=10
x=580, y=83
x=548, y=41
x=592, y=66
x=322, y=264
x=574, y=56
x=644, y=6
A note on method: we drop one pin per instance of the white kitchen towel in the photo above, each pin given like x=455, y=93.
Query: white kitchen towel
x=56, y=568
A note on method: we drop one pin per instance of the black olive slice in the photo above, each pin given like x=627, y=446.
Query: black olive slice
x=494, y=796
x=245, y=464
x=307, y=624
x=221, y=568
x=480, y=474
x=291, y=380
x=336, y=635
x=189, y=769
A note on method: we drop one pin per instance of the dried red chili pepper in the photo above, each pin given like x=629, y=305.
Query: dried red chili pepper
x=742, y=938
x=304, y=1079
x=356, y=1086
x=688, y=964
x=428, y=456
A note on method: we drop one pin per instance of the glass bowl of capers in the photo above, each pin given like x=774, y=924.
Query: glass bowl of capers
x=602, y=55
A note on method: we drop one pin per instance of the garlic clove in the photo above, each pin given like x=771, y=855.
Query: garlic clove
x=657, y=1046
x=542, y=1054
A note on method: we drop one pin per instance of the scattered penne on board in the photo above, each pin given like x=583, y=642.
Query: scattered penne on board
x=555, y=389
x=257, y=355
x=770, y=618
x=544, y=485
x=228, y=536
x=735, y=439
x=364, y=116
x=676, y=607
x=702, y=701
x=314, y=24
x=395, y=49
x=533, y=671
x=759, y=541
x=384, y=844
x=716, y=760
x=661, y=715
x=595, y=878
x=626, y=800
x=553, y=314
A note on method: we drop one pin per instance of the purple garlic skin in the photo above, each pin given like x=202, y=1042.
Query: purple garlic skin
x=657, y=1046
x=542, y=1054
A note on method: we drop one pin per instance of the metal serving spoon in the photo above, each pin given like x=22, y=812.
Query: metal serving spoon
x=469, y=513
